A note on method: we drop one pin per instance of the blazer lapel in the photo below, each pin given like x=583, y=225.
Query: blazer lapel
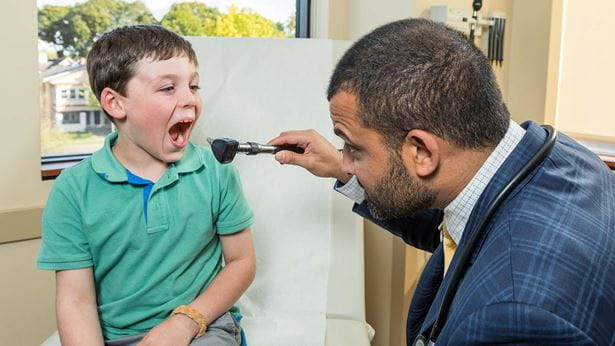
x=430, y=318
x=426, y=290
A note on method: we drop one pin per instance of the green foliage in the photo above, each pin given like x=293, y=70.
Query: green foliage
x=246, y=23
x=50, y=23
x=291, y=26
x=197, y=19
x=51, y=137
x=79, y=135
x=74, y=28
x=92, y=100
x=191, y=19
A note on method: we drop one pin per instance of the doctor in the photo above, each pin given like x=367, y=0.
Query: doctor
x=429, y=144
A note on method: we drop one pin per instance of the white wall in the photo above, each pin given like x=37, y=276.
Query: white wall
x=26, y=296
x=20, y=181
x=531, y=28
x=351, y=19
x=584, y=102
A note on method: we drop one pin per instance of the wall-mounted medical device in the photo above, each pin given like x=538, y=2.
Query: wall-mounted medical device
x=489, y=30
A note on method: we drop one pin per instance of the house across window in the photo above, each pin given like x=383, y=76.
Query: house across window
x=70, y=118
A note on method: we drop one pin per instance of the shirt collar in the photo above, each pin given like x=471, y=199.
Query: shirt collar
x=457, y=213
x=106, y=165
x=109, y=168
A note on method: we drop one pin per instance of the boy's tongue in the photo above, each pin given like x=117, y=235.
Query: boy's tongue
x=178, y=134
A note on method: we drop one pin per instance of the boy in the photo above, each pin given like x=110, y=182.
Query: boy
x=137, y=232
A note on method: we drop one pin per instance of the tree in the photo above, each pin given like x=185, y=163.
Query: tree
x=191, y=19
x=246, y=23
x=51, y=23
x=73, y=29
x=291, y=26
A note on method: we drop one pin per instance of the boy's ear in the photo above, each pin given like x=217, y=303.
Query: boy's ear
x=111, y=102
x=422, y=149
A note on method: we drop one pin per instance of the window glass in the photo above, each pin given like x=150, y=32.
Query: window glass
x=71, y=119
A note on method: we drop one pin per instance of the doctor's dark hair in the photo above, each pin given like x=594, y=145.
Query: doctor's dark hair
x=112, y=59
x=418, y=74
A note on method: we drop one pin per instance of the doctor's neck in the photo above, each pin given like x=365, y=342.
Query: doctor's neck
x=457, y=169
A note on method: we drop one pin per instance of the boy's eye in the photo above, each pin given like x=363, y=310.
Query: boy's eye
x=195, y=87
x=168, y=88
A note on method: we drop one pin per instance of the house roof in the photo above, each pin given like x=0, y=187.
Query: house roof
x=59, y=68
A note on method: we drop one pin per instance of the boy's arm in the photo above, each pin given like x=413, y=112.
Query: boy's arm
x=234, y=278
x=76, y=310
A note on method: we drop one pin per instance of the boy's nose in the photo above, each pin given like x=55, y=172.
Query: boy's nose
x=188, y=98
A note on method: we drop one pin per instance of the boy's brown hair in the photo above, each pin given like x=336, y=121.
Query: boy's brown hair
x=111, y=61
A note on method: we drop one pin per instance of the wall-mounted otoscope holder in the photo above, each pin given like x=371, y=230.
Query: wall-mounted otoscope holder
x=225, y=149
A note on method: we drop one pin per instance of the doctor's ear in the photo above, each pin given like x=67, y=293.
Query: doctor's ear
x=111, y=102
x=423, y=150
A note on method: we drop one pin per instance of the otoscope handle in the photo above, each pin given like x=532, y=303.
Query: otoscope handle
x=252, y=148
x=292, y=148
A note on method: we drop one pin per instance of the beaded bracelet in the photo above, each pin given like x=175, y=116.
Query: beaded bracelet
x=195, y=315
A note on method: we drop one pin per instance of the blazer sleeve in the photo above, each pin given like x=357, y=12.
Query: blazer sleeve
x=516, y=323
x=417, y=229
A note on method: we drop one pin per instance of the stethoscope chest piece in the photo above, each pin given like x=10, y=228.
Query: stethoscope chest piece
x=422, y=341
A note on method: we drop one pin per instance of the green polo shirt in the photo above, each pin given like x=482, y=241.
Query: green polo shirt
x=143, y=268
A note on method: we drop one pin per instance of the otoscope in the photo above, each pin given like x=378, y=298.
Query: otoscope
x=224, y=149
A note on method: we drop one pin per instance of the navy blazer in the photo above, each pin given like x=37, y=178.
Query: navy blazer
x=545, y=271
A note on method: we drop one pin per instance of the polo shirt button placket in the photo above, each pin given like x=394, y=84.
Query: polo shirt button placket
x=157, y=218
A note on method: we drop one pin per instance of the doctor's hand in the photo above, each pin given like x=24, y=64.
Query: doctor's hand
x=320, y=158
x=174, y=331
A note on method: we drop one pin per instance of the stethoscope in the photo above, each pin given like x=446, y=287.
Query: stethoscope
x=465, y=255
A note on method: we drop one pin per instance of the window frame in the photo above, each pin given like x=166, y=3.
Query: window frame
x=303, y=18
x=52, y=165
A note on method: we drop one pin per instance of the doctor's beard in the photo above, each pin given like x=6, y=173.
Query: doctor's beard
x=396, y=194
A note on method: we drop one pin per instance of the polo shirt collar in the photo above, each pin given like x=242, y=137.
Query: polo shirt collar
x=191, y=160
x=108, y=167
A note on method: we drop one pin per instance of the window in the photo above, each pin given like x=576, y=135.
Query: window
x=63, y=48
x=70, y=118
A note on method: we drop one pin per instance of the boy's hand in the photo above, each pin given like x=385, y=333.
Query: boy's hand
x=176, y=330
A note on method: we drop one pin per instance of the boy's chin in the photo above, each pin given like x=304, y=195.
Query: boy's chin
x=174, y=156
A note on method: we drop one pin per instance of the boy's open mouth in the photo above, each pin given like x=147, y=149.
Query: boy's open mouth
x=180, y=131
